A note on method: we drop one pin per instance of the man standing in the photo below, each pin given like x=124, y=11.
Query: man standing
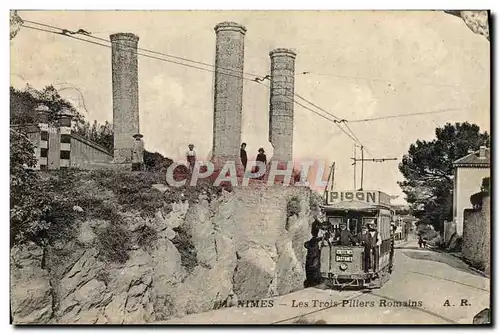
x=137, y=152
x=313, y=273
x=243, y=155
x=391, y=255
x=344, y=236
x=364, y=239
x=376, y=241
x=191, y=157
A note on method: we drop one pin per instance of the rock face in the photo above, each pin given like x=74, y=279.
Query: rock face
x=30, y=290
x=476, y=20
x=240, y=246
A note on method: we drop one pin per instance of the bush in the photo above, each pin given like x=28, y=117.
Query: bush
x=27, y=203
x=147, y=236
x=293, y=207
x=184, y=244
x=113, y=243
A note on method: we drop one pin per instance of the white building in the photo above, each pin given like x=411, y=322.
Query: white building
x=469, y=174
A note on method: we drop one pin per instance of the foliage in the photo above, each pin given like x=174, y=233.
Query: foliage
x=113, y=243
x=27, y=204
x=428, y=170
x=316, y=200
x=101, y=134
x=293, y=206
x=184, y=244
x=485, y=185
x=156, y=162
x=133, y=191
x=24, y=102
x=146, y=237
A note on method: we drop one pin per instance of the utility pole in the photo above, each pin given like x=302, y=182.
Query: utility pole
x=362, y=165
x=369, y=160
x=354, y=168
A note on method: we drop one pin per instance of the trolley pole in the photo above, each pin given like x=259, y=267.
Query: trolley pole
x=369, y=160
x=362, y=166
x=354, y=168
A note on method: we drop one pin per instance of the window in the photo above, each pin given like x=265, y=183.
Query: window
x=369, y=221
x=335, y=221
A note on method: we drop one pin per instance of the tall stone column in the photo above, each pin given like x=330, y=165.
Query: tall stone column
x=124, y=68
x=281, y=103
x=228, y=91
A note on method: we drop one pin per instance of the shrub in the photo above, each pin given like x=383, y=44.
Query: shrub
x=184, y=244
x=113, y=243
x=147, y=236
x=293, y=207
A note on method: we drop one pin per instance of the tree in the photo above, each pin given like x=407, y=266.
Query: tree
x=27, y=204
x=428, y=170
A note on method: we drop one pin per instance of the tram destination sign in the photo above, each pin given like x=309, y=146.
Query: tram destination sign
x=343, y=255
x=366, y=196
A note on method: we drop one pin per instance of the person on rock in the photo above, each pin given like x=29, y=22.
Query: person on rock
x=243, y=155
x=191, y=157
x=138, y=153
x=263, y=159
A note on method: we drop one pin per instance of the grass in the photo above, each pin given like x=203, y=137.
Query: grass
x=113, y=243
x=104, y=195
x=147, y=236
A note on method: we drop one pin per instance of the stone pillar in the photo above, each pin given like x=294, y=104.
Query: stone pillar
x=65, y=140
x=228, y=91
x=43, y=150
x=281, y=103
x=124, y=67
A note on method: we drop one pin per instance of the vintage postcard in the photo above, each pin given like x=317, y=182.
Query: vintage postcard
x=250, y=167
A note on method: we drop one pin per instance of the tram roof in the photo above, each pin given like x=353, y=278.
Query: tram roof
x=353, y=205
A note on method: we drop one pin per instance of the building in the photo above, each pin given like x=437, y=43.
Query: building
x=469, y=172
x=58, y=147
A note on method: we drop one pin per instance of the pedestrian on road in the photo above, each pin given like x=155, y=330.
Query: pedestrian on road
x=406, y=230
x=313, y=274
x=391, y=254
x=137, y=152
x=243, y=155
x=191, y=157
x=420, y=241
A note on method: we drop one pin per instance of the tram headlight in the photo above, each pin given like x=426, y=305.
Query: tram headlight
x=343, y=266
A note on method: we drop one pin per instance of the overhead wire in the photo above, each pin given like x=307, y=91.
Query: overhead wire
x=407, y=115
x=144, y=49
x=336, y=119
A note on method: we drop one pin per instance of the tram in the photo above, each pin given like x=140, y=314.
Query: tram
x=356, y=264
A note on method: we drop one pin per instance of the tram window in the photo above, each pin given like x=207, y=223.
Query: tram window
x=369, y=221
x=353, y=225
x=335, y=221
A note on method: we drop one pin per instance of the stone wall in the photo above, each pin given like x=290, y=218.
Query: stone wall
x=246, y=248
x=477, y=236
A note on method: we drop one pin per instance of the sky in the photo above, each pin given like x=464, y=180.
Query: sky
x=361, y=64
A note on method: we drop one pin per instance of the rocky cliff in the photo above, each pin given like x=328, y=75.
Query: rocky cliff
x=189, y=257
